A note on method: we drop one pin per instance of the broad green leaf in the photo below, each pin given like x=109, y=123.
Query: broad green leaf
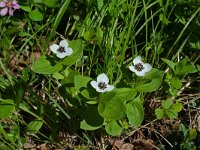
x=89, y=93
x=166, y=104
x=111, y=107
x=69, y=77
x=91, y=118
x=36, y=15
x=6, y=108
x=77, y=47
x=50, y=3
x=186, y=69
x=57, y=75
x=176, y=83
x=25, y=8
x=125, y=94
x=171, y=64
x=172, y=114
x=35, y=125
x=177, y=107
x=43, y=66
x=159, y=113
x=81, y=82
x=82, y=85
x=155, y=78
x=113, y=128
x=135, y=113
x=183, y=67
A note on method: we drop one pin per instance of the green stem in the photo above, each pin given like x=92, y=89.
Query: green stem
x=61, y=12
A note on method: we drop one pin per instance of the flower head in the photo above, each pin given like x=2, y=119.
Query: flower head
x=139, y=67
x=101, y=85
x=62, y=49
x=8, y=7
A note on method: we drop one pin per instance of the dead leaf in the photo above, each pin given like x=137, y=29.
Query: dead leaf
x=29, y=146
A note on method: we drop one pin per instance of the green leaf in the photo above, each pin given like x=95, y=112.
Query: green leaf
x=176, y=83
x=111, y=107
x=43, y=66
x=100, y=4
x=166, y=104
x=125, y=94
x=6, y=108
x=81, y=82
x=186, y=69
x=69, y=77
x=163, y=18
x=177, y=107
x=82, y=85
x=36, y=15
x=24, y=34
x=35, y=125
x=192, y=134
x=135, y=113
x=25, y=8
x=91, y=119
x=183, y=68
x=77, y=47
x=172, y=114
x=159, y=113
x=154, y=78
x=99, y=35
x=50, y=3
x=198, y=68
x=183, y=129
x=57, y=75
x=113, y=128
x=171, y=64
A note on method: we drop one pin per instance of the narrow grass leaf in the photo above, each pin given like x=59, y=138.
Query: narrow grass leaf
x=59, y=107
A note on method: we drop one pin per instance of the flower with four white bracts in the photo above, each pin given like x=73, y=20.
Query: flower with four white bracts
x=101, y=85
x=139, y=67
x=62, y=49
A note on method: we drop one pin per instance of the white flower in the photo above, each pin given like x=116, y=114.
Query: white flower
x=62, y=49
x=139, y=67
x=101, y=85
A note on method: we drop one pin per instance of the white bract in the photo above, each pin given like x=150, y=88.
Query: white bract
x=101, y=85
x=62, y=49
x=139, y=67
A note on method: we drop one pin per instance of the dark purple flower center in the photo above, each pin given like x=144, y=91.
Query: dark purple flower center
x=61, y=49
x=102, y=85
x=139, y=67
